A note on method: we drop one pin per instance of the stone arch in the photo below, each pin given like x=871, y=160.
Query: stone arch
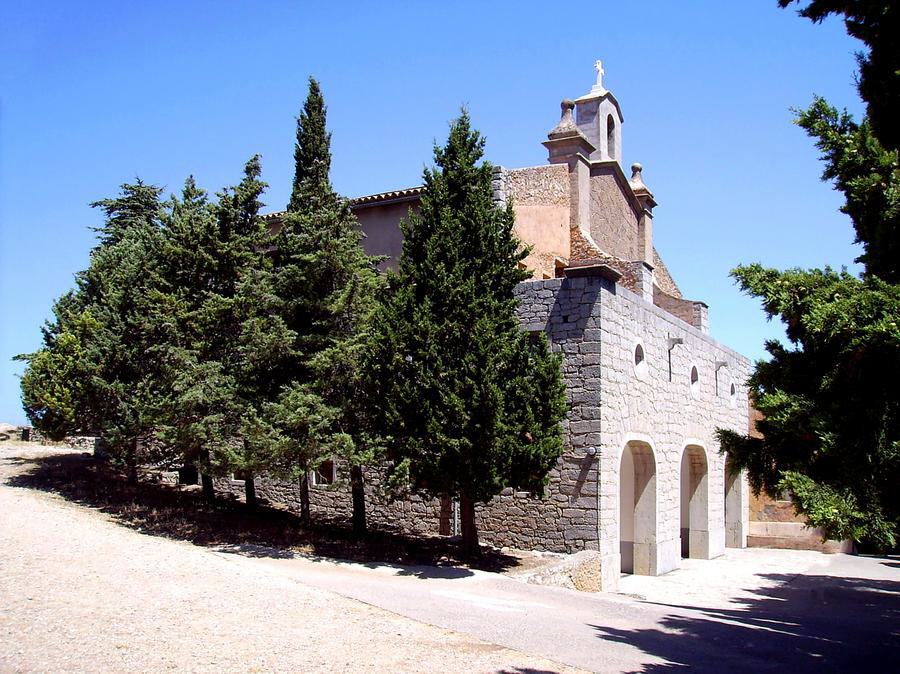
x=637, y=508
x=695, y=525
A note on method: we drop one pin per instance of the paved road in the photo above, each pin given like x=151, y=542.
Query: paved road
x=761, y=611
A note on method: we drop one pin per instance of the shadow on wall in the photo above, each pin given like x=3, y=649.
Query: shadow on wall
x=227, y=525
x=803, y=624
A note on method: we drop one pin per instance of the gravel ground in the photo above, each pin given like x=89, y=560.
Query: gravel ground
x=80, y=593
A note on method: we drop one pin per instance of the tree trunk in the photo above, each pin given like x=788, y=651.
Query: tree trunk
x=304, y=498
x=467, y=521
x=209, y=492
x=250, y=492
x=357, y=486
x=131, y=463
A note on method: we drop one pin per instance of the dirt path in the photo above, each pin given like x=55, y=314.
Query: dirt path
x=80, y=593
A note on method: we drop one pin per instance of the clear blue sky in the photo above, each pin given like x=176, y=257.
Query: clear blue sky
x=95, y=93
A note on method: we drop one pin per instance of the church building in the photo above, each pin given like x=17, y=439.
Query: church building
x=641, y=480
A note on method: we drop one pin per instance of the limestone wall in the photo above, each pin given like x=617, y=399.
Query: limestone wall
x=657, y=405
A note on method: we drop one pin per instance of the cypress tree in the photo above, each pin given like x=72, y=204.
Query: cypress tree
x=466, y=401
x=328, y=286
x=227, y=337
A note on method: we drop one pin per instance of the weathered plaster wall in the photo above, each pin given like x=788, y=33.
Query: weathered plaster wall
x=540, y=196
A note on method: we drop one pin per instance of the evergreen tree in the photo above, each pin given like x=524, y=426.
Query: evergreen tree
x=226, y=337
x=327, y=285
x=876, y=23
x=466, y=401
x=832, y=414
x=97, y=371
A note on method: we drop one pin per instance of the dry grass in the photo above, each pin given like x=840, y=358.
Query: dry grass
x=182, y=513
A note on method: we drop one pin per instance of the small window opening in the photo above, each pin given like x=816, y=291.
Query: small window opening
x=324, y=474
x=611, y=137
x=640, y=362
x=695, y=381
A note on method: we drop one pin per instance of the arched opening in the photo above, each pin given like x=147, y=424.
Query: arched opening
x=611, y=137
x=637, y=509
x=694, y=503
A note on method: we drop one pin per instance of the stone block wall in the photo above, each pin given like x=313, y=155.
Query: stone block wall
x=596, y=325
x=413, y=515
x=658, y=406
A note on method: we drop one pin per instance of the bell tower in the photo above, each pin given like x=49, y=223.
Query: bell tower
x=599, y=118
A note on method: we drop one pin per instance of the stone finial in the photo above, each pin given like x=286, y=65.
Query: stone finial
x=566, y=124
x=598, y=86
x=565, y=116
x=637, y=179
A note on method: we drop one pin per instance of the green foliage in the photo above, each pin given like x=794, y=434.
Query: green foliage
x=53, y=384
x=225, y=339
x=831, y=432
x=97, y=372
x=467, y=403
x=830, y=414
x=877, y=24
x=312, y=156
x=869, y=177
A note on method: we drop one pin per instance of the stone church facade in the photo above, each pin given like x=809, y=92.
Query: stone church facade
x=641, y=480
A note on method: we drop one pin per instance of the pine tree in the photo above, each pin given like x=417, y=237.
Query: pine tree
x=328, y=287
x=832, y=415
x=466, y=401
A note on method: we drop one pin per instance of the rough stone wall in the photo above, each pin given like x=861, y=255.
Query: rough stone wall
x=614, y=223
x=411, y=515
x=663, y=278
x=657, y=405
x=595, y=325
x=546, y=185
x=540, y=196
x=692, y=313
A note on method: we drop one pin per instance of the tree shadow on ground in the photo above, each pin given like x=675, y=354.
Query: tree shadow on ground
x=228, y=525
x=801, y=624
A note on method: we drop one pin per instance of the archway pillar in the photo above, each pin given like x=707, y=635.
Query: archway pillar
x=610, y=559
x=737, y=509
